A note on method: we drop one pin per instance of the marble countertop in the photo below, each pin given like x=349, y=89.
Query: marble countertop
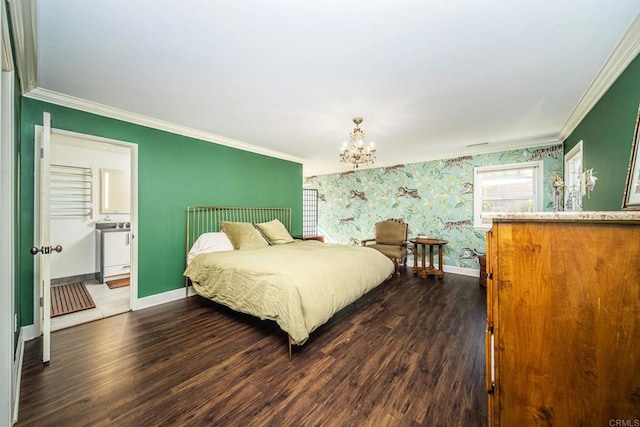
x=568, y=216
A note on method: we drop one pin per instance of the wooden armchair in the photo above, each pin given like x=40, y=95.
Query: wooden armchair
x=391, y=239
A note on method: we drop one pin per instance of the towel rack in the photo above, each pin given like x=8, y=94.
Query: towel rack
x=71, y=191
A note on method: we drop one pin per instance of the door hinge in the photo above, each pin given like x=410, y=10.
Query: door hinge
x=41, y=301
x=489, y=276
x=41, y=153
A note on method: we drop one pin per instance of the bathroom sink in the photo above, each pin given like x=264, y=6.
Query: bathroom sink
x=113, y=225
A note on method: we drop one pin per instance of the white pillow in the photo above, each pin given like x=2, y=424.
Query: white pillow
x=210, y=242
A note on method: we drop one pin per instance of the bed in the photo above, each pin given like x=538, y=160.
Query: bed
x=299, y=284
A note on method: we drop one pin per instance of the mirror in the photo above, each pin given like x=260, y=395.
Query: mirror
x=115, y=191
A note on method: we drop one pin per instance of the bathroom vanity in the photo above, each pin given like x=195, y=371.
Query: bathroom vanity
x=113, y=251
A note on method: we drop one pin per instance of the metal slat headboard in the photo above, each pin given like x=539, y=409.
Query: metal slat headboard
x=205, y=219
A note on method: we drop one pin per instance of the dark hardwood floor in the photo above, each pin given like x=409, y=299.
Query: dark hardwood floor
x=409, y=353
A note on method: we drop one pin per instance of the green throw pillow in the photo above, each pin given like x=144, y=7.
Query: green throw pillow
x=275, y=232
x=243, y=235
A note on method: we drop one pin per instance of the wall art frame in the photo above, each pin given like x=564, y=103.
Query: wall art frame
x=631, y=198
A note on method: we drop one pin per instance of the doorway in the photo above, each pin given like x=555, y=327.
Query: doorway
x=77, y=212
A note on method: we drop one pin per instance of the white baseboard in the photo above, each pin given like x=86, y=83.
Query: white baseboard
x=30, y=332
x=162, y=298
x=463, y=271
x=17, y=374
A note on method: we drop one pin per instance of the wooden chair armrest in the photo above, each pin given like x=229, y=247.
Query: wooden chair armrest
x=364, y=242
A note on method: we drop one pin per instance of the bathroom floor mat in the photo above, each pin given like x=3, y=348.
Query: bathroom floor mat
x=118, y=283
x=70, y=298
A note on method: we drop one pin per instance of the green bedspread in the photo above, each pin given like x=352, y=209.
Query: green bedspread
x=299, y=285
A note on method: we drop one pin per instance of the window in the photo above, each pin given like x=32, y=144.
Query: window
x=572, y=179
x=309, y=212
x=506, y=188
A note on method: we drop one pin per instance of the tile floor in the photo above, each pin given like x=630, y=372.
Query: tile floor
x=108, y=303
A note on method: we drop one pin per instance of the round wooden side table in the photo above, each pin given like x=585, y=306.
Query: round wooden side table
x=424, y=270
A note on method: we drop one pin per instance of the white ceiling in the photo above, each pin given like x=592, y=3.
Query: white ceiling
x=428, y=77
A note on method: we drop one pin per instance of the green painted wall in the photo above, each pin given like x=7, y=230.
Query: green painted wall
x=173, y=172
x=607, y=132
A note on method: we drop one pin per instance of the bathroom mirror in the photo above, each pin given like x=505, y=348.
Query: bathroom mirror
x=115, y=187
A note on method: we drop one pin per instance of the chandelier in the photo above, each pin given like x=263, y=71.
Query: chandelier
x=356, y=153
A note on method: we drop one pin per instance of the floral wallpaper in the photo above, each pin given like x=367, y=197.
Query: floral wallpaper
x=434, y=197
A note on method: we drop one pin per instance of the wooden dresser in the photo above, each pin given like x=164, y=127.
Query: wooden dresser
x=563, y=319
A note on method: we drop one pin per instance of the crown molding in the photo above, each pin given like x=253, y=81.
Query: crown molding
x=68, y=101
x=23, y=23
x=7, y=50
x=410, y=158
x=625, y=52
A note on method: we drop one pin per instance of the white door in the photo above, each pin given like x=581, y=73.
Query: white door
x=43, y=250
